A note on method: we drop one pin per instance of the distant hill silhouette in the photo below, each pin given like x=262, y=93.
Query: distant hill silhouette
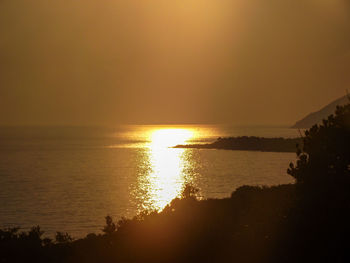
x=318, y=116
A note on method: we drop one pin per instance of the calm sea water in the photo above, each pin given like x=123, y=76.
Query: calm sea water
x=70, y=178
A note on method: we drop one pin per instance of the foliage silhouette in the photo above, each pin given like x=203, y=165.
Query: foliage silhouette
x=189, y=191
x=110, y=226
x=63, y=237
x=325, y=157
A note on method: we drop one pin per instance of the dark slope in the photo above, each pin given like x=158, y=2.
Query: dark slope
x=316, y=117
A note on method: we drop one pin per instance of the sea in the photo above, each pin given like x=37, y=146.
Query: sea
x=68, y=179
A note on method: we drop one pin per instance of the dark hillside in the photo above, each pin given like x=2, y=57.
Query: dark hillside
x=317, y=117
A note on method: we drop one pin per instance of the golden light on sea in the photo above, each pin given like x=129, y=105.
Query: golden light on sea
x=165, y=178
x=169, y=137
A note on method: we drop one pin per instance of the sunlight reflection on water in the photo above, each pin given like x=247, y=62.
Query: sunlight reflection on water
x=165, y=179
x=77, y=176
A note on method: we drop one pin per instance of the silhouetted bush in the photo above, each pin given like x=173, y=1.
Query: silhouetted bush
x=110, y=226
x=324, y=159
x=63, y=237
x=189, y=191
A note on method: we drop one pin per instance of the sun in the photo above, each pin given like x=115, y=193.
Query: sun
x=169, y=137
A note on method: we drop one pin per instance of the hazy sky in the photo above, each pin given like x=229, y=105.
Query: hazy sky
x=180, y=61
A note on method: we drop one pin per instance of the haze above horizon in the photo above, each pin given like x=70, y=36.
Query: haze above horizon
x=154, y=62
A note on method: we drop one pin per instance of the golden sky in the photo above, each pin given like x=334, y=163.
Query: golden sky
x=88, y=62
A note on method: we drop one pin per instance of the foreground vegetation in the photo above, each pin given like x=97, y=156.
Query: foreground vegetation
x=303, y=222
x=254, y=225
x=252, y=143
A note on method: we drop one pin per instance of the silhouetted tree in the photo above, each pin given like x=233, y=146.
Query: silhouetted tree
x=324, y=160
x=110, y=226
x=33, y=237
x=189, y=191
x=318, y=224
x=62, y=237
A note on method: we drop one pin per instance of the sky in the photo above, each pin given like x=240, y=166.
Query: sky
x=108, y=62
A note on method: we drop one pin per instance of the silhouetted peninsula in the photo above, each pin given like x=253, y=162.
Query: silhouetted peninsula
x=253, y=143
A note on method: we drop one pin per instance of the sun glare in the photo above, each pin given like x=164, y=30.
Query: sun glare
x=170, y=137
x=165, y=179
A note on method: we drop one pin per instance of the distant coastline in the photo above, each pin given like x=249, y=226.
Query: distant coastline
x=317, y=117
x=251, y=143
